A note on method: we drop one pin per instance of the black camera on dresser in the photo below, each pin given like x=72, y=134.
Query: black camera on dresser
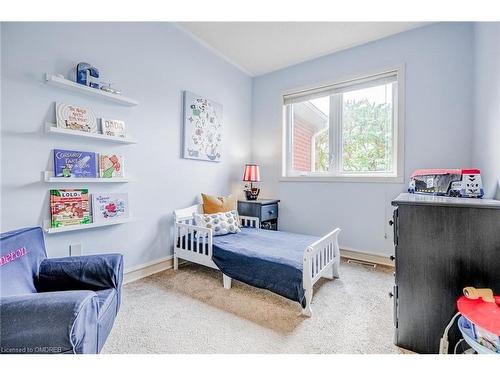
x=441, y=245
x=265, y=209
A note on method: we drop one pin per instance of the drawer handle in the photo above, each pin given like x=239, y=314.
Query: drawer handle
x=270, y=212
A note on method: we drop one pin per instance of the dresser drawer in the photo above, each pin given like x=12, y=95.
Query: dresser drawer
x=249, y=209
x=269, y=212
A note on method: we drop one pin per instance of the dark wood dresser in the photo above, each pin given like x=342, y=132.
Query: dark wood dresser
x=265, y=209
x=441, y=246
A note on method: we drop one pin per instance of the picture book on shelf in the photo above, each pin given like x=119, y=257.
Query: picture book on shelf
x=110, y=165
x=113, y=128
x=75, y=118
x=109, y=206
x=72, y=163
x=69, y=207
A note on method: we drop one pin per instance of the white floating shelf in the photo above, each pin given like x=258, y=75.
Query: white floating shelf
x=53, y=129
x=48, y=229
x=48, y=176
x=73, y=86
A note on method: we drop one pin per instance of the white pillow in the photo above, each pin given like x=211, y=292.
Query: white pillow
x=221, y=222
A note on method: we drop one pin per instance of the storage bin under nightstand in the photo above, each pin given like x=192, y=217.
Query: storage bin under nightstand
x=265, y=209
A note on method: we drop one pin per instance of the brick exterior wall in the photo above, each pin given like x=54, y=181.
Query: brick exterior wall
x=302, y=133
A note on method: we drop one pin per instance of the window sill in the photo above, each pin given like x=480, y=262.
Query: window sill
x=366, y=179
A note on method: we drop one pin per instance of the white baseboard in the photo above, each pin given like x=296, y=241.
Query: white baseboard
x=349, y=253
x=155, y=266
x=147, y=269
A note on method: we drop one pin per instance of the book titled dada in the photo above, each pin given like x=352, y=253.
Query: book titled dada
x=113, y=128
x=109, y=206
x=72, y=163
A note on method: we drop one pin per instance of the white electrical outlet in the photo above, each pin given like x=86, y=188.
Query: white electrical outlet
x=75, y=250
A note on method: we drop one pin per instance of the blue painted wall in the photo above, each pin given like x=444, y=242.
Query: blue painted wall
x=438, y=129
x=450, y=69
x=486, y=150
x=150, y=62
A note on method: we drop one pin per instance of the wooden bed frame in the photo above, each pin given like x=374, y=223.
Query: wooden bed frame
x=321, y=258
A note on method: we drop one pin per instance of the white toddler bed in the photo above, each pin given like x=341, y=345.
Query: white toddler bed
x=193, y=243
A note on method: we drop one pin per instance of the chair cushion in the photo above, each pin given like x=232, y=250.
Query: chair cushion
x=21, y=252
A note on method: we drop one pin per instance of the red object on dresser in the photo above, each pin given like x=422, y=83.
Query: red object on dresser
x=481, y=313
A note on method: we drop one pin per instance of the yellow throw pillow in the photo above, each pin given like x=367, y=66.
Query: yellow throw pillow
x=213, y=205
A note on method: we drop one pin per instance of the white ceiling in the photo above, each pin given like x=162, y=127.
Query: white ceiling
x=262, y=47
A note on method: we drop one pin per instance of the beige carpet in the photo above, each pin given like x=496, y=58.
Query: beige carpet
x=188, y=311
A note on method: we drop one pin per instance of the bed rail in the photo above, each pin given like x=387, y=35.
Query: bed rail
x=321, y=259
x=194, y=243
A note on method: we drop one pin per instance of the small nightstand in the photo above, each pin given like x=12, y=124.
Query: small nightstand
x=265, y=209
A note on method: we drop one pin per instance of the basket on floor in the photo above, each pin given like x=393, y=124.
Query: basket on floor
x=480, y=324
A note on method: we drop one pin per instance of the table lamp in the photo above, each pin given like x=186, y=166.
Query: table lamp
x=251, y=174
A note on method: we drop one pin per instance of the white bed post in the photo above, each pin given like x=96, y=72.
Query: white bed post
x=176, y=263
x=307, y=282
x=321, y=259
x=226, y=280
x=307, y=311
x=336, y=263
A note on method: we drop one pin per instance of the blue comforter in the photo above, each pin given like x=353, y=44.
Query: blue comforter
x=265, y=259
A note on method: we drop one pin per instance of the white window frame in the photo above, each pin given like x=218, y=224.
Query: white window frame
x=397, y=176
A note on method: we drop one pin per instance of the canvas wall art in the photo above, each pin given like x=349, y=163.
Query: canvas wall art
x=202, y=128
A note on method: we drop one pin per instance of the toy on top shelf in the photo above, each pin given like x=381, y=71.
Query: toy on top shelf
x=87, y=75
x=463, y=183
x=106, y=86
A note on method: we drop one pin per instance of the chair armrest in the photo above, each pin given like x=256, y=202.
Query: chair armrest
x=91, y=272
x=44, y=323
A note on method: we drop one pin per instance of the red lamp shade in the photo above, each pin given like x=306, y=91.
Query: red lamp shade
x=252, y=173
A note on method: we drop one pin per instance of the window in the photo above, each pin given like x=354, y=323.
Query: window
x=350, y=130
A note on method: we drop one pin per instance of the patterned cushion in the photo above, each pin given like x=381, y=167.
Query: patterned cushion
x=221, y=222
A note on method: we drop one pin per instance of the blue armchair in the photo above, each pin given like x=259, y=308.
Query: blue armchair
x=59, y=305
